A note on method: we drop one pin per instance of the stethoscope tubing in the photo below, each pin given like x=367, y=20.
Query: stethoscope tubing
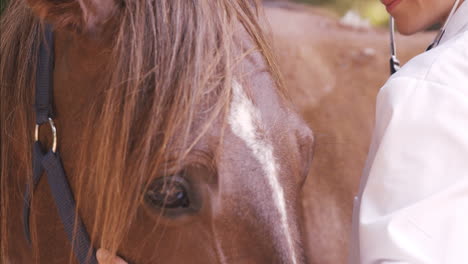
x=394, y=62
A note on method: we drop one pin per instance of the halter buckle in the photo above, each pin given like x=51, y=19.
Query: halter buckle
x=54, y=134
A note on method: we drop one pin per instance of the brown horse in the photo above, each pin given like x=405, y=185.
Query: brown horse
x=175, y=136
x=333, y=73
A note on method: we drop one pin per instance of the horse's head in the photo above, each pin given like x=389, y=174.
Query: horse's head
x=177, y=140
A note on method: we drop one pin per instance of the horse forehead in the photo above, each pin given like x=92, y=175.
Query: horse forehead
x=257, y=118
x=246, y=123
x=269, y=108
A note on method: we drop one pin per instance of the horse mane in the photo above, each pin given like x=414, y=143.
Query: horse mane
x=170, y=58
x=18, y=43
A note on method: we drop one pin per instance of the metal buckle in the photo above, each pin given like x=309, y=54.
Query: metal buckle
x=54, y=134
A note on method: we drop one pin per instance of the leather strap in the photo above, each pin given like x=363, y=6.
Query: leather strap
x=44, y=77
x=51, y=164
x=66, y=207
x=37, y=172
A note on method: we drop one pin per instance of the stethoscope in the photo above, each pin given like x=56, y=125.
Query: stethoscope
x=394, y=62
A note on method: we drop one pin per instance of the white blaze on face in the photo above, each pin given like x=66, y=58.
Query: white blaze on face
x=245, y=119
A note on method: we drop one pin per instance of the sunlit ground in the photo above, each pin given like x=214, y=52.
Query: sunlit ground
x=375, y=12
x=371, y=10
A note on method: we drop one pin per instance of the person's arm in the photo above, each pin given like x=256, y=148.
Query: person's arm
x=414, y=204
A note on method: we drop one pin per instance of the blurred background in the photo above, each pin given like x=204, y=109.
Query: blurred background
x=371, y=10
x=2, y=5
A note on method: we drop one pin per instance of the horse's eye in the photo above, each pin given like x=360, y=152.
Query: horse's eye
x=169, y=193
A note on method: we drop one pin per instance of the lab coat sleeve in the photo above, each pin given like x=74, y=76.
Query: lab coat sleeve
x=414, y=204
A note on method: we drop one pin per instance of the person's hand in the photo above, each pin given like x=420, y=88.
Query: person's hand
x=105, y=257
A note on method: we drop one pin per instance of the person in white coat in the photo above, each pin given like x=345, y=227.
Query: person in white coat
x=413, y=202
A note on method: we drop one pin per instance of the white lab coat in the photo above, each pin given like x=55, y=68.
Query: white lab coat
x=413, y=201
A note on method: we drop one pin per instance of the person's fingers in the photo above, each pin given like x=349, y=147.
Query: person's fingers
x=105, y=257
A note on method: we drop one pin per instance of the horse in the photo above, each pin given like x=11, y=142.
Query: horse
x=333, y=73
x=177, y=138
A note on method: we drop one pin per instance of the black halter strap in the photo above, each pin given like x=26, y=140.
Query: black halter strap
x=50, y=162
